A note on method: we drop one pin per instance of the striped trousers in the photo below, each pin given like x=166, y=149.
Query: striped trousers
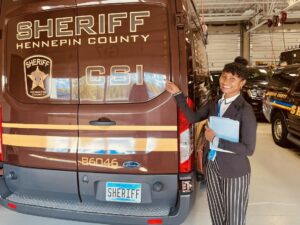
x=227, y=197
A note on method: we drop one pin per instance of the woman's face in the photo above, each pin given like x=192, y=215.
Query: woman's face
x=230, y=84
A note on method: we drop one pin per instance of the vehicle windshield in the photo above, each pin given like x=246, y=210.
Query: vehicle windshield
x=258, y=73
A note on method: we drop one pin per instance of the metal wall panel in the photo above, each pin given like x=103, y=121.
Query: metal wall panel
x=266, y=44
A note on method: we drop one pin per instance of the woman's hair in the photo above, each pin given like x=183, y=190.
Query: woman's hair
x=241, y=60
x=237, y=69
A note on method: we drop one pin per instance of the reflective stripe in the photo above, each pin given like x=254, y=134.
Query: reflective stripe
x=281, y=106
x=129, y=144
x=88, y=127
x=91, y=144
x=36, y=141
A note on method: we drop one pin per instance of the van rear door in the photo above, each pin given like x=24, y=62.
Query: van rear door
x=40, y=130
x=127, y=122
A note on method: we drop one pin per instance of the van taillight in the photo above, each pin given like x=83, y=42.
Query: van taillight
x=185, y=142
x=1, y=153
x=155, y=221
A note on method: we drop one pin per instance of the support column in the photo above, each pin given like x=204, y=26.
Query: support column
x=245, y=43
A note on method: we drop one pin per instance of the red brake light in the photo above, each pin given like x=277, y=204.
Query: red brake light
x=155, y=221
x=185, y=141
x=11, y=205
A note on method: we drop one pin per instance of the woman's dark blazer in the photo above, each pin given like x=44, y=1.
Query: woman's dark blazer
x=230, y=165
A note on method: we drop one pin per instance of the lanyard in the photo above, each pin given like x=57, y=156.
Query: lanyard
x=219, y=108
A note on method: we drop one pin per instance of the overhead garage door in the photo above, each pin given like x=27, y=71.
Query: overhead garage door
x=266, y=44
x=222, y=48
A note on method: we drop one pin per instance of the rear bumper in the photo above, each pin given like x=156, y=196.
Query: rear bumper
x=176, y=215
x=174, y=219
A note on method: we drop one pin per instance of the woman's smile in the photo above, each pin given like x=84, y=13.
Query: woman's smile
x=230, y=84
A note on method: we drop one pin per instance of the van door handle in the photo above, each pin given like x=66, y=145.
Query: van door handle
x=102, y=122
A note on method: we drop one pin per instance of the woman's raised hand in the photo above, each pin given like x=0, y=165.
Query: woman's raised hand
x=171, y=87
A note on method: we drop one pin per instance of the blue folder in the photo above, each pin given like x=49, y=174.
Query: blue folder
x=225, y=128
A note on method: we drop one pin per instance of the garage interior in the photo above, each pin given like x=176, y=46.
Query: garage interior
x=240, y=27
x=252, y=29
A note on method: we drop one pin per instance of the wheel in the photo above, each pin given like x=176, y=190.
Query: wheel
x=279, y=130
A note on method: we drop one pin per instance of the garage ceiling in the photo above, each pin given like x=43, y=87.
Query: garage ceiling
x=254, y=11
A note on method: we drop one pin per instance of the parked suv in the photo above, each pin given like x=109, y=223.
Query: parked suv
x=88, y=130
x=255, y=87
x=281, y=105
x=291, y=56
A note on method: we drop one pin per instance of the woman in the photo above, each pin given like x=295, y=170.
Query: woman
x=227, y=174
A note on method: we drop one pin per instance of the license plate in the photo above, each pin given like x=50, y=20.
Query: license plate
x=123, y=192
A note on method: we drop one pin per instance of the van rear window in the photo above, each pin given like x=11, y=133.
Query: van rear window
x=123, y=87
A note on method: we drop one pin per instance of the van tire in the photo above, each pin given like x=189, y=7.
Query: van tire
x=279, y=130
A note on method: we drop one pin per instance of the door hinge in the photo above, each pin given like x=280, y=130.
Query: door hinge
x=180, y=20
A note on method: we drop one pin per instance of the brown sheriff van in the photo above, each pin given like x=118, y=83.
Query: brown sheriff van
x=88, y=131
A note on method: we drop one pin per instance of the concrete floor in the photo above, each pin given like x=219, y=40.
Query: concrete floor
x=274, y=192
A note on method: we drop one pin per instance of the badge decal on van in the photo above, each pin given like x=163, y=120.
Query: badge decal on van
x=131, y=164
x=38, y=74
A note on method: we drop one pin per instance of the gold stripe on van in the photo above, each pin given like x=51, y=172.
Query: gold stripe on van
x=88, y=127
x=128, y=144
x=91, y=144
x=35, y=141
